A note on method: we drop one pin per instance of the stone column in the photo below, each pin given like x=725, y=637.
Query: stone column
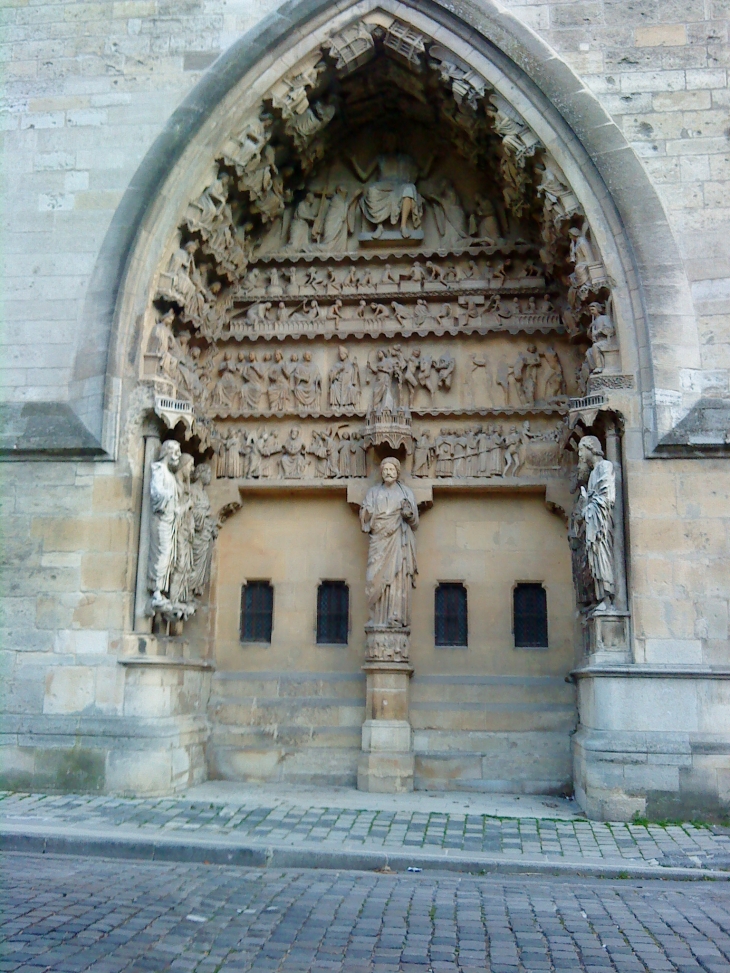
x=386, y=765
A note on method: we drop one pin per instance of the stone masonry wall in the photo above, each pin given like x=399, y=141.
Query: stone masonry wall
x=88, y=87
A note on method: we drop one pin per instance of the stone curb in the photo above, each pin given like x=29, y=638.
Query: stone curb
x=211, y=851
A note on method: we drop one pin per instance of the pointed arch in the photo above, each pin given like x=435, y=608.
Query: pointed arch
x=654, y=310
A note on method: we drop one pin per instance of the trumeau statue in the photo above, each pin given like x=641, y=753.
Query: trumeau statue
x=598, y=500
x=389, y=515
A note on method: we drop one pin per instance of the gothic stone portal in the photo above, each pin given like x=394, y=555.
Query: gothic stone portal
x=386, y=261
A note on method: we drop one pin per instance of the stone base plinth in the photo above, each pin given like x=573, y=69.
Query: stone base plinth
x=385, y=773
x=387, y=764
x=606, y=638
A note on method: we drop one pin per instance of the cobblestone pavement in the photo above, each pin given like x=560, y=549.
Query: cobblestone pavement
x=70, y=915
x=566, y=841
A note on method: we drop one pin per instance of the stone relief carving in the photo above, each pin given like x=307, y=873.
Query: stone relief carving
x=289, y=94
x=333, y=452
x=389, y=515
x=236, y=380
x=248, y=143
x=485, y=450
x=345, y=382
x=560, y=201
x=391, y=199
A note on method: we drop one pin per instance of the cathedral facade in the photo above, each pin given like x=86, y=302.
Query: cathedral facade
x=369, y=419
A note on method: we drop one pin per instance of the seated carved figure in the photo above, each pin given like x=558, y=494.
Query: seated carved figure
x=392, y=198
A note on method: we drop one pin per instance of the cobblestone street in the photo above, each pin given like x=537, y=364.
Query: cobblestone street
x=69, y=915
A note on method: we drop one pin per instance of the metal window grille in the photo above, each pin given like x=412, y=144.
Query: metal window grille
x=333, y=608
x=451, y=614
x=257, y=611
x=530, y=617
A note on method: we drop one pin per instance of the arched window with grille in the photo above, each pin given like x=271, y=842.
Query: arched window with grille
x=333, y=611
x=257, y=611
x=530, y=616
x=451, y=618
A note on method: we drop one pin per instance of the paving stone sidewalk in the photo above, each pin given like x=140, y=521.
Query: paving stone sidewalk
x=290, y=825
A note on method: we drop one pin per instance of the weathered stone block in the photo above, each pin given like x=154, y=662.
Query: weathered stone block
x=661, y=35
x=69, y=689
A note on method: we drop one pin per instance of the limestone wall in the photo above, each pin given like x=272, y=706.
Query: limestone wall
x=88, y=89
x=485, y=716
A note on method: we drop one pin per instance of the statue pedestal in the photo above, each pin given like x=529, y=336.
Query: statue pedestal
x=606, y=638
x=386, y=765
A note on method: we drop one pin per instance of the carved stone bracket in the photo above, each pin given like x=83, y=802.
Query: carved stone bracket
x=390, y=427
x=386, y=645
x=172, y=411
x=351, y=48
x=586, y=409
x=466, y=84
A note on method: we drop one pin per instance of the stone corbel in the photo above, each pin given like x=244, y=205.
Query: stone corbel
x=466, y=84
x=173, y=410
x=405, y=43
x=585, y=410
x=289, y=95
x=352, y=47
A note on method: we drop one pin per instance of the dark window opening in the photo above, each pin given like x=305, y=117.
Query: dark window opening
x=530, y=617
x=257, y=611
x=333, y=609
x=451, y=614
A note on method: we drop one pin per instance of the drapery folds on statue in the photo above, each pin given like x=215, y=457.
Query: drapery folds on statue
x=599, y=498
x=390, y=515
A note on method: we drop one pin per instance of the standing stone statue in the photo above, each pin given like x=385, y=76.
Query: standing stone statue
x=599, y=498
x=205, y=525
x=390, y=515
x=163, y=504
x=182, y=569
